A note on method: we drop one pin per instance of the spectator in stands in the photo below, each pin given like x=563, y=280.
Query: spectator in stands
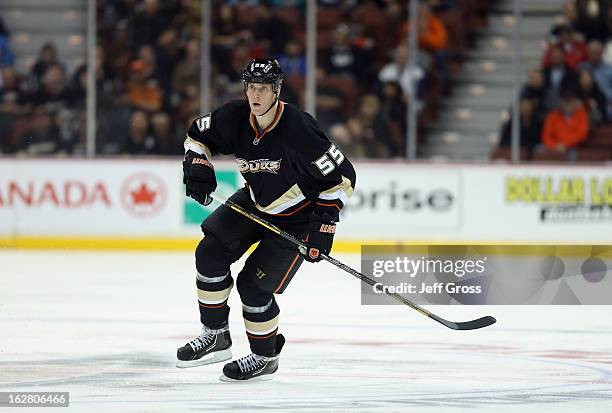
x=558, y=77
x=112, y=127
x=245, y=50
x=146, y=53
x=143, y=93
x=400, y=71
x=71, y=119
x=165, y=136
x=593, y=98
x=53, y=91
x=189, y=19
x=226, y=31
x=123, y=9
x=270, y=30
x=567, y=126
x=114, y=47
x=189, y=104
x=371, y=29
x=433, y=38
x=602, y=72
x=79, y=143
x=607, y=40
x=292, y=59
x=330, y=102
x=226, y=27
x=570, y=15
x=71, y=125
x=62, y=100
x=105, y=83
x=433, y=35
x=535, y=90
x=342, y=138
x=363, y=135
x=232, y=86
x=574, y=49
x=42, y=136
x=392, y=114
x=292, y=94
x=187, y=71
x=12, y=96
x=7, y=57
x=77, y=89
x=12, y=106
x=46, y=59
x=345, y=59
x=395, y=15
x=167, y=52
x=588, y=17
x=140, y=141
x=112, y=104
x=530, y=127
x=148, y=22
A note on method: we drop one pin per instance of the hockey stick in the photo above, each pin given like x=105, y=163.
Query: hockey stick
x=466, y=325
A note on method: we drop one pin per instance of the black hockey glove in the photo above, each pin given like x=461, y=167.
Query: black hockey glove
x=320, y=237
x=198, y=177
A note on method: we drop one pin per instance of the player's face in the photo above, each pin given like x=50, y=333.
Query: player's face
x=260, y=97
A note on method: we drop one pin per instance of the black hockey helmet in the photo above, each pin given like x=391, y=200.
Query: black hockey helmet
x=264, y=71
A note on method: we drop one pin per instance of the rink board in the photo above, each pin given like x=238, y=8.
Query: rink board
x=126, y=204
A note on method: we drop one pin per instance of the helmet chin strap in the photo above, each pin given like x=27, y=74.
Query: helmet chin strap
x=271, y=106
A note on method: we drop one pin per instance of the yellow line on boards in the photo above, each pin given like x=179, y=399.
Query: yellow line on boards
x=340, y=246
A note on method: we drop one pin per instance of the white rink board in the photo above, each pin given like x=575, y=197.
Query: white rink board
x=396, y=202
x=392, y=202
x=492, y=210
x=89, y=197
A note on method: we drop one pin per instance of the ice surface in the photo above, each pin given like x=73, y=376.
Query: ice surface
x=105, y=327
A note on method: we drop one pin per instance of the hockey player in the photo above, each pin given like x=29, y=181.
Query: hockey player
x=296, y=179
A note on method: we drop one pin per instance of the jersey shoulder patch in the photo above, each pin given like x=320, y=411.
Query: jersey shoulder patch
x=203, y=123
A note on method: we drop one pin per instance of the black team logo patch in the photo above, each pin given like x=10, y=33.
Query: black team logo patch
x=258, y=165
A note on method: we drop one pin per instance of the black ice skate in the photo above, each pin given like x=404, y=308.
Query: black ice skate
x=212, y=346
x=253, y=367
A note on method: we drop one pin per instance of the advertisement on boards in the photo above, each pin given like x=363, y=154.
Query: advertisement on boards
x=541, y=204
x=88, y=198
x=391, y=201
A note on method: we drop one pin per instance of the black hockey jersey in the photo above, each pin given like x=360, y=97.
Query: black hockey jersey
x=291, y=168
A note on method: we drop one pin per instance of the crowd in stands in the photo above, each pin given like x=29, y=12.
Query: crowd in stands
x=566, y=103
x=148, y=68
x=40, y=111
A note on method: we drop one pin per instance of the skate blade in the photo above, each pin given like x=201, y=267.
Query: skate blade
x=265, y=377
x=216, y=357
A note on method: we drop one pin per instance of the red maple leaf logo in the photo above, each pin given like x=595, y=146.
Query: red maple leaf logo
x=143, y=195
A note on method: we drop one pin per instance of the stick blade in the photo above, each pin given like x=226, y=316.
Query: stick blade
x=476, y=324
x=468, y=325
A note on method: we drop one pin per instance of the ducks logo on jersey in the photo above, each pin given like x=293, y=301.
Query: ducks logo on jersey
x=258, y=165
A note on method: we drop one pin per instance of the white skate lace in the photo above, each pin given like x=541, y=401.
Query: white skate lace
x=203, y=340
x=251, y=362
